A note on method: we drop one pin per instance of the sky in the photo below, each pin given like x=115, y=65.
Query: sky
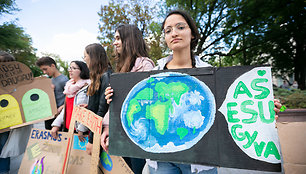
x=62, y=27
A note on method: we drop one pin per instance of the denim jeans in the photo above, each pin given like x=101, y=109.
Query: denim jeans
x=176, y=168
x=4, y=162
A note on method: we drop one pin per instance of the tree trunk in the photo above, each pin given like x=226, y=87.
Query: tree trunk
x=300, y=62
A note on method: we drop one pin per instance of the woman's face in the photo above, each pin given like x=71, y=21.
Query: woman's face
x=86, y=58
x=177, y=33
x=117, y=43
x=74, y=71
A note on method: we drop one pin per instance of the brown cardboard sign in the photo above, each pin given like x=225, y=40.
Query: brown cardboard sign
x=13, y=74
x=113, y=164
x=67, y=154
x=292, y=136
x=45, y=154
x=27, y=103
x=109, y=164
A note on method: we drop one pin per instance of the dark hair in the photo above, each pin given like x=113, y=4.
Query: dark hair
x=193, y=27
x=83, y=68
x=6, y=57
x=133, y=46
x=46, y=61
x=99, y=63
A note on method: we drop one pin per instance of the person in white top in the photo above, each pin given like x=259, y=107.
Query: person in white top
x=181, y=36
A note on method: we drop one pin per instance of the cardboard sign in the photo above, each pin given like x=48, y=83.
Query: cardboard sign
x=24, y=100
x=291, y=127
x=45, y=154
x=13, y=74
x=67, y=154
x=109, y=164
x=209, y=116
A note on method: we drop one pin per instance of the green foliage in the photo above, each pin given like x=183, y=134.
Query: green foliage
x=15, y=41
x=251, y=32
x=7, y=6
x=292, y=99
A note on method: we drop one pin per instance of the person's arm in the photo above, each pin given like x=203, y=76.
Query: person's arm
x=103, y=105
x=59, y=109
x=105, y=122
x=105, y=138
x=59, y=120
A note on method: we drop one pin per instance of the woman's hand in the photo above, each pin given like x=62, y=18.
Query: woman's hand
x=81, y=136
x=89, y=148
x=108, y=94
x=104, y=139
x=277, y=107
x=54, y=132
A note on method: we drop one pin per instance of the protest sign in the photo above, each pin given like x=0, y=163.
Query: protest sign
x=210, y=116
x=291, y=127
x=45, y=154
x=109, y=164
x=67, y=154
x=24, y=100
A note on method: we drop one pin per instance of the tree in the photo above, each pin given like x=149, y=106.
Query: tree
x=7, y=6
x=14, y=41
x=251, y=32
x=275, y=37
x=288, y=46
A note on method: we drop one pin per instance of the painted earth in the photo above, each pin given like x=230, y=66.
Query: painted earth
x=168, y=112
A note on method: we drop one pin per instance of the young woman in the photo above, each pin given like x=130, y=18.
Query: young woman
x=132, y=56
x=79, y=79
x=100, y=70
x=181, y=36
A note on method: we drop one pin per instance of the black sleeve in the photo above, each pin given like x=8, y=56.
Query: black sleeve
x=103, y=106
x=90, y=137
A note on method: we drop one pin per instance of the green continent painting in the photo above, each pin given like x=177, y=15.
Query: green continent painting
x=168, y=112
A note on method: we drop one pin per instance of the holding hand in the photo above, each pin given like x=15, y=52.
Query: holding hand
x=54, y=132
x=105, y=139
x=277, y=107
x=81, y=136
x=108, y=94
x=89, y=148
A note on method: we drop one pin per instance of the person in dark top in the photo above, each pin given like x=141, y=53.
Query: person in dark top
x=100, y=70
x=48, y=66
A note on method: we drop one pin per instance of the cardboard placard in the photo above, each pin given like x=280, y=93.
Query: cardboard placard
x=109, y=164
x=45, y=154
x=24, y=100
x=292, y=136
x=67, y=154
x=209, y=116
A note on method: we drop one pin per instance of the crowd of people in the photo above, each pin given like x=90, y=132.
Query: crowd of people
x=88, y=85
